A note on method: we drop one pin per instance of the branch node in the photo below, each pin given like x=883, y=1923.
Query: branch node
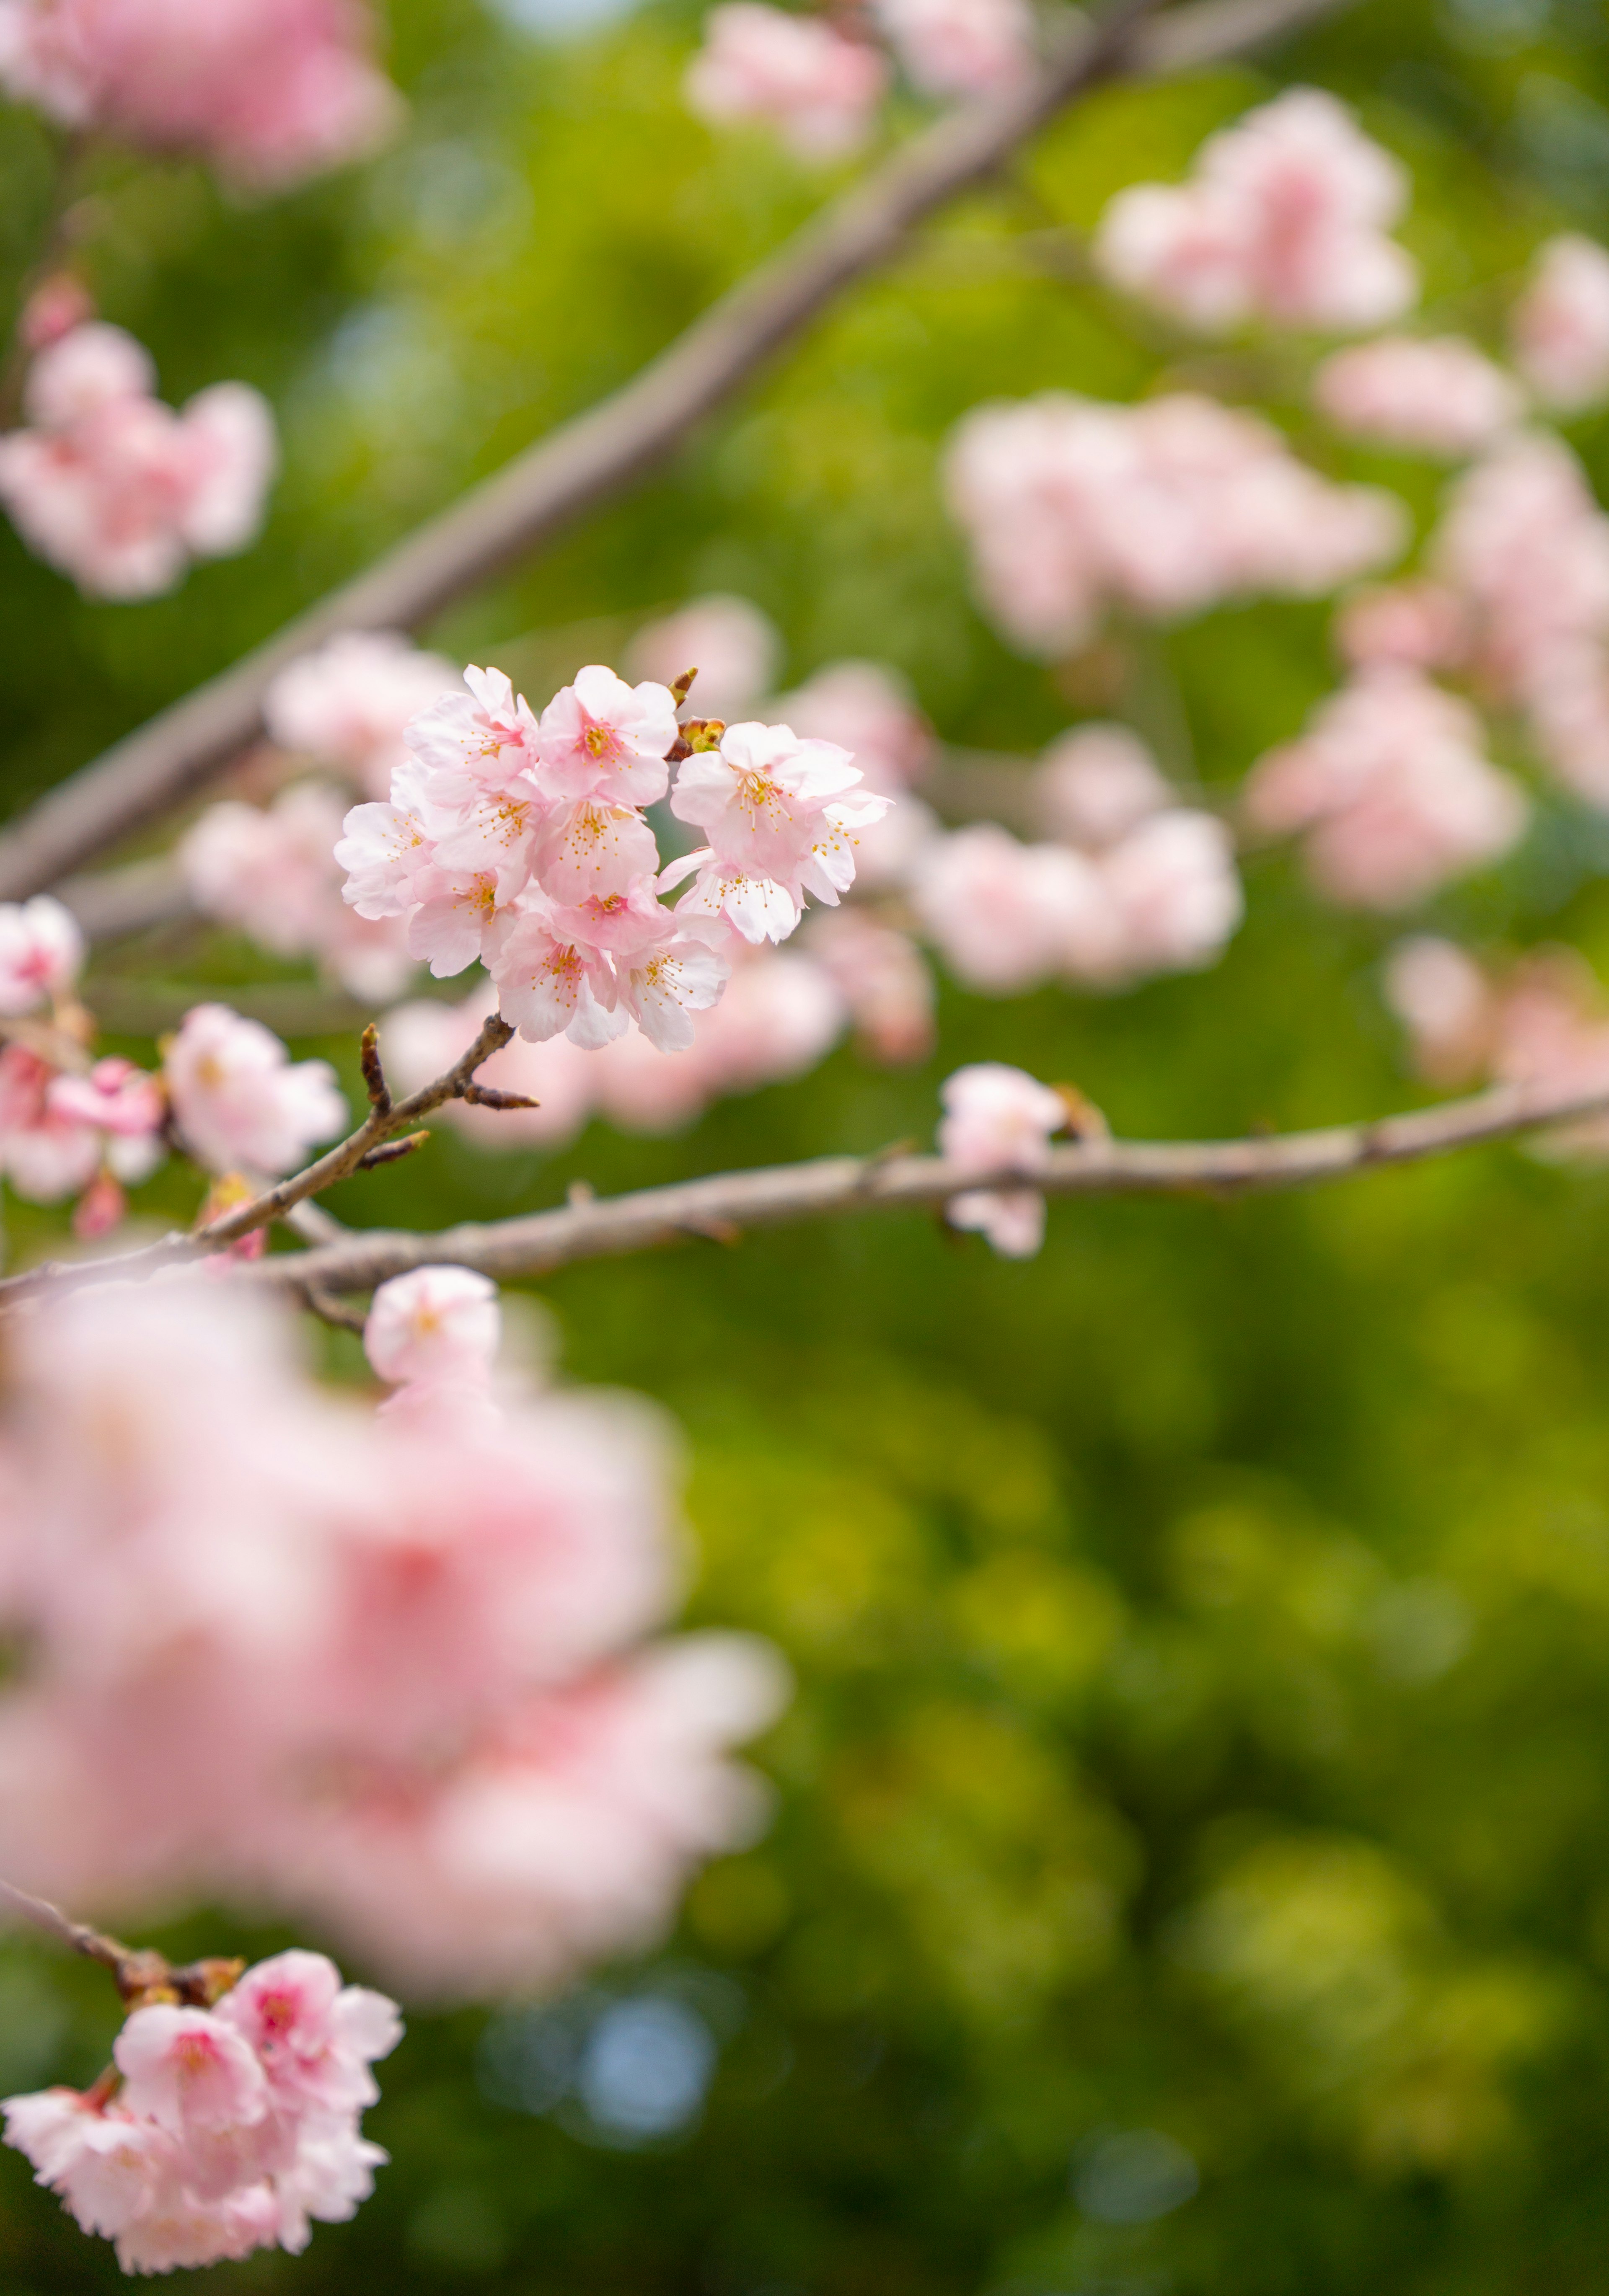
x=390, y=1151
x=373, y=1072
x=486, y=1095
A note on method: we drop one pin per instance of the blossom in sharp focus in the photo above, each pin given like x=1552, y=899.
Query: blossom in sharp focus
x=778, y=812
x=959, y=47
x=269, y=94
x=733, y=645
x=115, y=488
x=1391, y=790
x=41, y=951
x=1285, y=220
x=550, y=984
x=601, y=738
x=433, y=1326
x=239, y=1102
x=794, y=73
x=999, y=1119
x=349, y=704
x=481, y=737
x=1559, y=329
x=1434, y=395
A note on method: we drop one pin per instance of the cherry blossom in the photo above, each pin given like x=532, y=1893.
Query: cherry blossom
x=437, y=1325
x=117, y=489
x=881, y=975
x=1560, y=325
x=268, y=94
x=1391, y=791
x=550, y=984
x=867, y=708
x=348, y=704
x=1005, y=916
x=1283, y=220
x=271, y=871
x=46, y=1152
x=819, y=90
x=41, y=951
x=1174, y=884
x=601, y=738
x=1431, y=396
x=960, y=47
x=999, y=1119
x=239, y=1102
x=483, y=739
x=733, y=647
x=1097, y=783
x=1445, y=1001
x=314, y=2038
x=1167, y=508
x=1414, y=624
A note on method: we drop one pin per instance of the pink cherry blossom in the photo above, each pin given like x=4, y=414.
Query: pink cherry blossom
x=479, y=741
x=104, y=2161
x=733, y=647
x=349, y=704
x=1283, y=220
x=434, y=1324
x=1005, y=916
x=314, y=2038
x=960, y=47
x=1173, y=882
x=1443, y=999
x=1167, y=508
x=1560, y=325
x=55, y=306
x=1391, y=791
x=125, y=1105
x=881, y=975
x=1097, y=783
x=601, y=738
x=117, y=489
x=664, y=977
x=594, y=848
x=268, y=94
x=190, y=2073
x=180, y=2230
x=1415, y=625
x=41, y=951
x=239, y=1102
x=550, y=984
x=1437, y=395
x=868, y=709
x=45, y=1153
x=794, y=73
x=999, y=1119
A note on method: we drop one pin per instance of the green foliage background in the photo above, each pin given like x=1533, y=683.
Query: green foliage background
x=1203, y=1632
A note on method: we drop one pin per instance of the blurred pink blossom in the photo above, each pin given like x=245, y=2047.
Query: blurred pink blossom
x=883, y=979
x=1415, y=625
x=999, y=1119
x=794, y=73
x=735, y=648
x=1096, y=784
x=434, y=1327
x=1560, y=325
x=959, y=47
x=113, y=487
x=348, y=704
x=268, y=93
x=1284, y=221
x=1391, y=792
x=1434, y=395
x=1444, y=1000
x=239, y=1102
x=1166, y=508
x=41, y=953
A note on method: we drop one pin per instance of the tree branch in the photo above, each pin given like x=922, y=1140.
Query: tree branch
x=141, y=1974
x=592, y=456
x=723, y=1206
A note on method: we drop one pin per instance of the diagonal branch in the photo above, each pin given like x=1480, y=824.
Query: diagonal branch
x=723, y=1206
x=585, y=460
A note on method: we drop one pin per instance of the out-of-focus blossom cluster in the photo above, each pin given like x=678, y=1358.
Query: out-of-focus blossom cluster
x=1560, y=325
x=524, y=843
x=1391, y=790
x=407, y=1697
x=820, y=87
x=1072, y=508
x=999, y=1119
x=1284, y=222
x=225, y=2129
x=74, y=1126
x=1542, y=1022
x=1434, y=395
x=1136, y=883
x=117, y=489
x=268, y=93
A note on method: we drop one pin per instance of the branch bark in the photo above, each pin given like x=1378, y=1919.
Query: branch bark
x=585, y=460
x=724, y=1205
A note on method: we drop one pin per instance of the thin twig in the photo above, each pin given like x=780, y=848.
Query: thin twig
x=726, y=1205
x=141, y=1974
x=591, y=457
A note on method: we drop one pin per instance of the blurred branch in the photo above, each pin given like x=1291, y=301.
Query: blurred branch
x=594, y=1227
x=585, y=460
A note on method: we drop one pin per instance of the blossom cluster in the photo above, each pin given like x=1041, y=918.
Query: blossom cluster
x=820, y=85
x=524, y=843
x=71, y=1125
x=1000, y=1120
x=223, y=2130
x=1073, y=508
x=268, y=93
x=115, y=488
x=408, y=1697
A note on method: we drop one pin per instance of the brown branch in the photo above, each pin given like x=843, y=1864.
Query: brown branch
x=140, y=1973
x=726, y=1205
x=585, y=460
